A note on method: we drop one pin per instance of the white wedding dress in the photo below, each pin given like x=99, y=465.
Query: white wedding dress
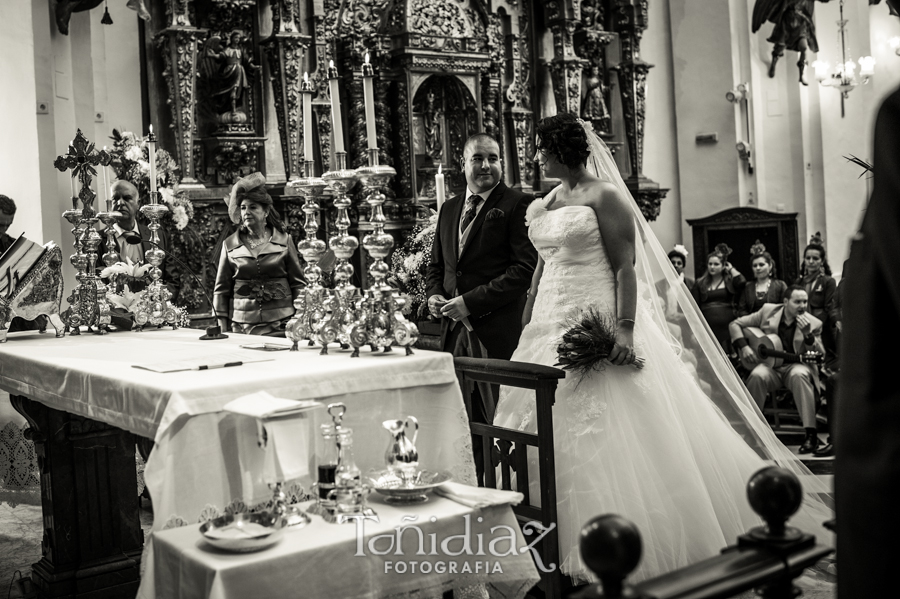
x=648, y=444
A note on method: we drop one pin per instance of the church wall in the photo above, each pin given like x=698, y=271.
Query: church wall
x=702, y=73
x=660, y=142
x=19, y=121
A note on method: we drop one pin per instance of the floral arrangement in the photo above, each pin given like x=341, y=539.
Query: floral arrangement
x=131, y=162
x=125, y=303
x=588, y=341
x=409, y=264
x=121, y=274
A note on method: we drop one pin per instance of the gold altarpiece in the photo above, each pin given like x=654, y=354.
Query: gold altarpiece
x=444, y=69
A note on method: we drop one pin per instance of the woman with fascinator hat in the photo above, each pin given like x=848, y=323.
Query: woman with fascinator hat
x=259, y=270
x=658, y=445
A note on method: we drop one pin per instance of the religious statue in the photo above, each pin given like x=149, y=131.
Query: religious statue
x=431, y=126
x=226, y=69
x=593, y=108
x=794, y=29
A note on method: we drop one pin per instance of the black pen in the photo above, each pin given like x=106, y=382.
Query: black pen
x=211, y=366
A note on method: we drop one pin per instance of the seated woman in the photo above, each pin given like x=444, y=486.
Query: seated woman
x=716, y=292
x=765, y=288
x=815, y=277
x=259, y=269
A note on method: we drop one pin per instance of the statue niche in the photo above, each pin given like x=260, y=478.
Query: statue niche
x=443, y=118
x=225, y=72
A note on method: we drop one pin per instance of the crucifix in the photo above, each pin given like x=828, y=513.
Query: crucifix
x=87, y=304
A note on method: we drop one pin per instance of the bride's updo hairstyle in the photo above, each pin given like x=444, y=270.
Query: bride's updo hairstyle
x=564, y=137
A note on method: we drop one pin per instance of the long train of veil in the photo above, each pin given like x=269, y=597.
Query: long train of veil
x=691, y=338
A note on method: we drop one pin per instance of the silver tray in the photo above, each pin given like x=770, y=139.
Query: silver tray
x=397, y=490
x=244, y=532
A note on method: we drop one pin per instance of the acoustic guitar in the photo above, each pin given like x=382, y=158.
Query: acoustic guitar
x=769, y=349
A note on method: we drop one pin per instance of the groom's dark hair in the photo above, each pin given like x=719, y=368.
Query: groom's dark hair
x=564, y=137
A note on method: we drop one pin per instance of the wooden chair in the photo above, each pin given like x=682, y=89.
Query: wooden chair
x=543, y=379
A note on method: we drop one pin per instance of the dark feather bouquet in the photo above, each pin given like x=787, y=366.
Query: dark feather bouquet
x=588, y=341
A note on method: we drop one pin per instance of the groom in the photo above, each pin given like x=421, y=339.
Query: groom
x=481, y=265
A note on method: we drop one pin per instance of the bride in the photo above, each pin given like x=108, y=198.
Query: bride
x=669, y=446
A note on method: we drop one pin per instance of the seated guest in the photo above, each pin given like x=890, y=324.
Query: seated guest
x=678, y=258
x=259, y=272
x=799, y=332
x=815, y=277
x=765, y=288
x=7, y=213
x=126, y=201
x=716, y=292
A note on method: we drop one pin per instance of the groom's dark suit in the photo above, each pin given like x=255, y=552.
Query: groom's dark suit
x=493, y=271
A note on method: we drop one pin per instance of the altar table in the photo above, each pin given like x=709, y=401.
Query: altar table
x=336, y=560
x=202, y=465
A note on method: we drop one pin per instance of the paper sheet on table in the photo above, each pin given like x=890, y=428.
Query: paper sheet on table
x=203, y=362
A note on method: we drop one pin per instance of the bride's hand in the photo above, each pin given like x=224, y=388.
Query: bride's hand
x=623, y=351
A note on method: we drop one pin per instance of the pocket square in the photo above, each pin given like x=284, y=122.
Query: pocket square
x=494, y=213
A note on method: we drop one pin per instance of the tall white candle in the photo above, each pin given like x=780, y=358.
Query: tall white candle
x=369, y=99
x=151, y=149
x=72, y=181
x=306, y=93
x=337, y=125
x=439, y=187
x=106, y=194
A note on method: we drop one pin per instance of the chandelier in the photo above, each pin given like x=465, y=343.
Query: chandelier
x=843, y=76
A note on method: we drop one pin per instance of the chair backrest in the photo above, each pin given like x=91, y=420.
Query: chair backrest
x=543, y=379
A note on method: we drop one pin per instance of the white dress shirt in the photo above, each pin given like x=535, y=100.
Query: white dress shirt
x=133, y=252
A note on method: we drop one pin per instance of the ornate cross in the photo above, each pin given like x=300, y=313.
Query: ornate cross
x=81, y=159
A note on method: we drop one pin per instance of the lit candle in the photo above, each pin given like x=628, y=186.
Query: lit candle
x=439, y=187
x=106, y=187
x=369, y=99
x=866, y=66
x=335, y=108
x=151, y=150
x=306, y=92
x=72, y=181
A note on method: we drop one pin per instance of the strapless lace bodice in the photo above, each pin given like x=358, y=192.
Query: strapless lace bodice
x=577, y=270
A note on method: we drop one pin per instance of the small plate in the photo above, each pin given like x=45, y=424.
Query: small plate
x=244, y=532
x=397, y=490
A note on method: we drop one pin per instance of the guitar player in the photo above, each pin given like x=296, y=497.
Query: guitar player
x=800, y=332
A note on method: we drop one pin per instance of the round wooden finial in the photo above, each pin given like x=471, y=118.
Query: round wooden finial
x=611, y=548
x=775, y=494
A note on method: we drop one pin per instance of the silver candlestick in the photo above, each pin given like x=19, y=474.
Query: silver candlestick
x=310, y=311
x=381, y=308
x=154, y=306
x=341, y=181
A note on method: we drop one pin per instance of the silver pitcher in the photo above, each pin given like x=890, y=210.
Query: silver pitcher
x=401, y=456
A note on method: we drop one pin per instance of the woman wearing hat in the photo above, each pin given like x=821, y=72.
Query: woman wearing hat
x=259, y=270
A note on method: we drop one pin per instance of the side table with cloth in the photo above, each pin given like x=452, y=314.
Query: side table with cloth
x=198, y=469
x=325, y=560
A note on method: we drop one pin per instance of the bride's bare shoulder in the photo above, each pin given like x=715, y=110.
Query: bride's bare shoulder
x=603, y=193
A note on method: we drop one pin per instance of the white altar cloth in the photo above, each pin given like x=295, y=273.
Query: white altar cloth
x=324, y=560
x=206, y=461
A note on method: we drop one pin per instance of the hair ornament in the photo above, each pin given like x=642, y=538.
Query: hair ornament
x=723, y=250
x=681, y=250
x=817, y=239
x=757, y=249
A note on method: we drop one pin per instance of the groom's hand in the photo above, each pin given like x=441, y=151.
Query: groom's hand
x=435, y=303
x=455, y=309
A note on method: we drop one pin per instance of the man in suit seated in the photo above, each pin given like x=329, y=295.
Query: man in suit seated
x=126, y=201
x=799, y=332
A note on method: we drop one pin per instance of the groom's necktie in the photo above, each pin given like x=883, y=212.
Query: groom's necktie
x=473, y=201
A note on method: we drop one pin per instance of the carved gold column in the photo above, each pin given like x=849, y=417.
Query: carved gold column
x=285, y=51
x=566, y=67
x=178, y=45
x=630, y=19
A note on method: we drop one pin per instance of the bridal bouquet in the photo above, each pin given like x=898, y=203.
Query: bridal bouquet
x=588, y=341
